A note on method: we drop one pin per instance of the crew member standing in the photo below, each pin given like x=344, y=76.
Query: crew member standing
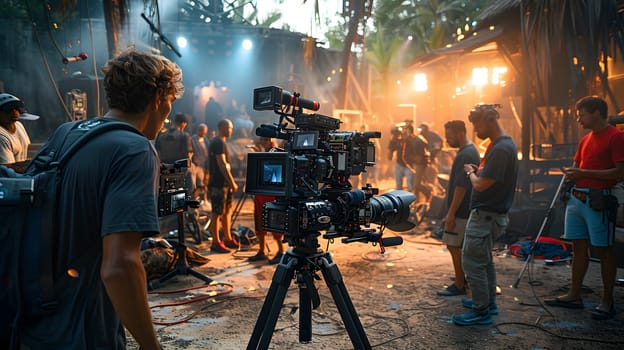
x=107, y=204
x=493, y=188
x=457, y=201
x=199, y=161
x=590, y=216
x=220, y=188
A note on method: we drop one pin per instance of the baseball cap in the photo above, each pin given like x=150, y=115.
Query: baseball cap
x=9, y=102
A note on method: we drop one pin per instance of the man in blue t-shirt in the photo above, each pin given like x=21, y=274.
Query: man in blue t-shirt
x=493, y=188
x=457, y=201
x=107, y=205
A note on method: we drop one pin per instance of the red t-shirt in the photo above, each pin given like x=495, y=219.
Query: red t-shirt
x=597, y=151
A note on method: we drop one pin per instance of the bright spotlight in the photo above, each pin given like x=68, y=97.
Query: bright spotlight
x=247, y=44
x=479, y=76
x=182, y=42
x=420, y=82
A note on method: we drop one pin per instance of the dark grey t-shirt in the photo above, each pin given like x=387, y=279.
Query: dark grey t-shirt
x=466, y=155
x=500, y=164
x=109, y=186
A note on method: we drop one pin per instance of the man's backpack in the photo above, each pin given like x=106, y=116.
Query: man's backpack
x=28, y=223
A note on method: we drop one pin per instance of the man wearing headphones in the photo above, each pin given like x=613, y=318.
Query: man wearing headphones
x=494, y=184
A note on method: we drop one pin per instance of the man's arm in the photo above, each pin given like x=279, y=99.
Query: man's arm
x=226, y=170
x=479, y=183
x=6, y=152
x=616, y=173
x=124, y=278
x=458, y=197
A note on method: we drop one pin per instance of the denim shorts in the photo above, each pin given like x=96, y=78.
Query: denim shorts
x=583, y=222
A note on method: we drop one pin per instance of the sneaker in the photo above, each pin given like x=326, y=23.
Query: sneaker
x=471, y=318
x=603, y=312
x=276, y=259
x=219, y=248
x=451, y=290
x=467, y=302
x=258, y=257
x=233, y=243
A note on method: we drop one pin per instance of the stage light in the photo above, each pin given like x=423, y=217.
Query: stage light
x=479, y=76
x=247, y=44
x=420, y=82
x=182, y=42
x=498, y=75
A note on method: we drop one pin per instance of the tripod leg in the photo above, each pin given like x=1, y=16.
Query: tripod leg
x=306, y=289
x=199, y=275
x=541, y=230
x=343, y=302
x=265, y=325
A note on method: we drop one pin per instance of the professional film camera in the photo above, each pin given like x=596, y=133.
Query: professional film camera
x=174, y=199
x=310, y=180
x=172, y=188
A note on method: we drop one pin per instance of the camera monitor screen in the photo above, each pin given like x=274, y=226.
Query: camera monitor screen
x=269, y=173
x=272, y=172
x=305, y=140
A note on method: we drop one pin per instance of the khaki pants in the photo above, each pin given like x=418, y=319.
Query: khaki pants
x=482, y=229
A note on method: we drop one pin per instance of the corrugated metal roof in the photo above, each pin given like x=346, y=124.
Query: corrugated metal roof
x=467, y=45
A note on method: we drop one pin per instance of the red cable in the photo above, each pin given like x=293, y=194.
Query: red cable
x=189, y=301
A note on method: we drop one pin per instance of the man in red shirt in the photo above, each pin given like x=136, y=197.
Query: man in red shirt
x=598, y=165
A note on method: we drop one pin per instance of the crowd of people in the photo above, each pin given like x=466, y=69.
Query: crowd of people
x=108, y=203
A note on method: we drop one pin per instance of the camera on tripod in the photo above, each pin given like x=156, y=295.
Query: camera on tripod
x=172, y=194
x=310, y=177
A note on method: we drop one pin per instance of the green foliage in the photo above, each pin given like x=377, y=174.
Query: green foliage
x=432, y=23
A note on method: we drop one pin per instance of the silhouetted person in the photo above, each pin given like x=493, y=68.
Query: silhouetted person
x=220, y=188
x=199, y=166
x=416, y=159
x=213, y=113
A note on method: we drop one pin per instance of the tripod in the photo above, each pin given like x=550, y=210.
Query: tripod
x=541, y=230
x=304, y=264
x=238, y=207
x=181, y=266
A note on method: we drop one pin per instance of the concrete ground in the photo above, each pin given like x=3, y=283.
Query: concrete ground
x=394, y=295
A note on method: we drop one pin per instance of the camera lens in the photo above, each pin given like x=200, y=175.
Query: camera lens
x=392, y=209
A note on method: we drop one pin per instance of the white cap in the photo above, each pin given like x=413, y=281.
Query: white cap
x=9, y=102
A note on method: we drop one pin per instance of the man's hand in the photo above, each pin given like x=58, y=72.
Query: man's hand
x=234, y=187
x=449, y=223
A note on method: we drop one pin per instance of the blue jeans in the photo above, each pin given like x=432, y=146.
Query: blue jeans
x=401, y=172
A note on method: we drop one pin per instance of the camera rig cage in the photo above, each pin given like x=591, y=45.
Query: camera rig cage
x=310, y=177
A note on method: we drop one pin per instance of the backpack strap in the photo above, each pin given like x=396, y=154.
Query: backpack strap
x=85, y=131
x=71, y=140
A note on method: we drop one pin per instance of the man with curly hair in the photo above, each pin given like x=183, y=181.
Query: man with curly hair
x=107, y=205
